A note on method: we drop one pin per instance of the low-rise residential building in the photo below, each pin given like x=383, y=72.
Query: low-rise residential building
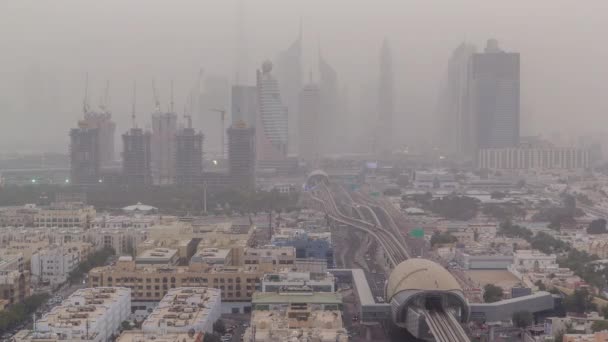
x=65, y=215
x=54, y=263
x=152, y=283
x=428, y=180
x=213, y=256
x=601, y=336
x=158, y=256
x=93, y=313
x=184, y=309
x=124, y=221
x=533, y=260
x=269, y=257
x=140, y=336
x=18, y=216
x=11, y=262
x=14, y=286
x=122, y=240
x=307, y=245
x=317, y=282
x=298, y=316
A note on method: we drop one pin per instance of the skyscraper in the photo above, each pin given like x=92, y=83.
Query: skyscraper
x=329, y=121
x=289, y=75
x=384, y=133
x=137, y=155
x=241, y=155
x=102, y=121
x=495, y=97
x=309, y=124
x=454, y=115
x=85, y=161
x=189, y=157
x=164, y=129
x=244, y=104
x=272, y=122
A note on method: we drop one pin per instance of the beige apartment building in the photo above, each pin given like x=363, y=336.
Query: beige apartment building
x=151, y=283
x=65, y=216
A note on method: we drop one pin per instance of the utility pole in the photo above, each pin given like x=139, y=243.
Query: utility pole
x=223, y=119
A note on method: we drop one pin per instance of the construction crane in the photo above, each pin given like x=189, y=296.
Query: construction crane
x=156, y=100
x=223, y=118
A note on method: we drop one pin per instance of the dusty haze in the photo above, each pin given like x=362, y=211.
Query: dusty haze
x=48, y=46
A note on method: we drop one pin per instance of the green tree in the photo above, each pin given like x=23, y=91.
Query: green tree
x=599, y=326
x=126, y=325
x=580, y=301
x=597, y=226
x=498, y=195
x=522, y=319
x=213, y=337
x=455, y=207
x=219, y=327
x=442, y=238
x=540, y=285
x=492, y=293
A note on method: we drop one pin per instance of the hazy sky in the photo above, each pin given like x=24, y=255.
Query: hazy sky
x=48, y=46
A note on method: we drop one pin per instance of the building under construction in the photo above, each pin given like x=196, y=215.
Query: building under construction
x=137, y=157
x=189, y=157
x=241, y=155
x=102, y=121
x=85, y=158
x=164, y=131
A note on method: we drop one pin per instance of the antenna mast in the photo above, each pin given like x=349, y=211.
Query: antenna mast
x=85, y=101
x=155, y=93
x=134, y=103
x=171, y=103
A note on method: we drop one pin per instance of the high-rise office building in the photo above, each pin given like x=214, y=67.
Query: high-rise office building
x=384, y=132
x=272, y=122
x=310, y=125
x=241, y=155
x=495, y=97
x=453, y=112
x=189, y=157
x=328, y=133
x=164, y=130
x=102, y=121
x=137, y=155
x=244, y=104
x=85, y=159
x=289, y=75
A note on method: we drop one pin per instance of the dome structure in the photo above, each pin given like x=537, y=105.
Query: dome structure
x=418, y=285
x=420, y=274
x=316, y=177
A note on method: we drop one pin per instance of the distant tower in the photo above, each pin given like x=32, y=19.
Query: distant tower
x=384, y=133
x=164, y=130
x=244, y=104
x=453, y=112
x=272, y=122
x=495, y=102
x=85, y=159
x=289, y=74
x=241, y=155
x=310, y=126
x=330, y=120
x=189, y=157
x=242, y=70
x=137, y=157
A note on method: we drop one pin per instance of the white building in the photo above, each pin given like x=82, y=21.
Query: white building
x=534, y=261
x=533, y=158
x=93, y=314
x=317, y=282
x=123, y=240
x=54, y=263
x=434, y=180
x=185, y=308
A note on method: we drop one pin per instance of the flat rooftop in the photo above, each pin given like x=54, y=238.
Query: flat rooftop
x=160, y=255
x=297, y=297
x=84, y=305
x=183, y=307
x=140, y=336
